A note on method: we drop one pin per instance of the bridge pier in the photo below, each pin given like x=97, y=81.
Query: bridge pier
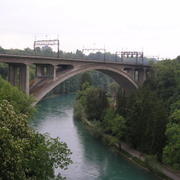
x=130, y=71
x=40, y=70
x=54, y=73
x=137, y=74
x=12, y=72
x=24, y=78
x=141, y=75
x=45, y=71
x=18, y=75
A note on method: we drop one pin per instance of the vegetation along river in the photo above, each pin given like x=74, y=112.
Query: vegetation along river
x=91, y=159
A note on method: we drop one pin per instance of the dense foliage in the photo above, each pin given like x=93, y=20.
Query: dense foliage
x=153, y=114
x=15, y=97
x=171, y=153
x=94, y=102
x=24, y=153
x=3, y=70
x=166, y=81
x=114, y=124
x=146, y=122
x=149, y=119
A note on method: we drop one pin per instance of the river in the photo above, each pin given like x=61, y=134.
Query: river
x=91, y=159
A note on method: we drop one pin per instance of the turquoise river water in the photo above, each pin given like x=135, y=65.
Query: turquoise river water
x=91, y=159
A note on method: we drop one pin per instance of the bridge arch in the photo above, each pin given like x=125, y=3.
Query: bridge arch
x=120, y=76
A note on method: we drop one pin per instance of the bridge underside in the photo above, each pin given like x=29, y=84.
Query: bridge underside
x=46, y=85
x=127, y=85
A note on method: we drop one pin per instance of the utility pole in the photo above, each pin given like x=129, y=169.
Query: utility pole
x=41, y=43
x=97, y=50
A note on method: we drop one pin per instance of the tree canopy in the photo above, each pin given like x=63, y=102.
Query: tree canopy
x=149, y=119
x=25, y=153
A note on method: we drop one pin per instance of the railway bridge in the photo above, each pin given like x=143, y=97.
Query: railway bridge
x=50, y=72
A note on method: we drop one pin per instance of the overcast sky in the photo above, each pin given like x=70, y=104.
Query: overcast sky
x=149, y=25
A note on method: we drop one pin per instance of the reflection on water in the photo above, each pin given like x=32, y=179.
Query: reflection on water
x=91, y=159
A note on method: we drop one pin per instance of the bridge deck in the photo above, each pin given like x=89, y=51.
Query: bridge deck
x=54, y=60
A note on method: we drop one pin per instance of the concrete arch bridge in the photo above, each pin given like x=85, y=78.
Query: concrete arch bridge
x=51, y=72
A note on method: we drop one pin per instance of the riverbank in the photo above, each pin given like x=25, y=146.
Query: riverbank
x=144, y=161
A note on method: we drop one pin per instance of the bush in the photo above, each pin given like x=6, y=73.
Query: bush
x=114, y=123
x=20, y=101
x=171, y=152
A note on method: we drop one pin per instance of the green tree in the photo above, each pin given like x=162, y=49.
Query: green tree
x=166, y=81
x=26, y=154
x=79, y=54
x=175, y=116
x=175, y=106
x=96, y=104
x=121, y=103
x=85, y=78
x=19, y=100
x=94, y=101
x=114, y=124
x=146, y=122
x=3, y=70
x=171, y=152
x=47, y=51
x=113, y=89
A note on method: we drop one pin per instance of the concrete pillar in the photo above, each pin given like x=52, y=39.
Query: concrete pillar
x=24, y=78
x=40, y=70
x=54, y=73
x=48, y=71
x=18, y=75
x=12, y=71
x=13, y=74
x=145, y=74
x=131, y=73
x=148, y=73
x=136, y=75
x=142, y=75
x=37, y=74
x=45, y=71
